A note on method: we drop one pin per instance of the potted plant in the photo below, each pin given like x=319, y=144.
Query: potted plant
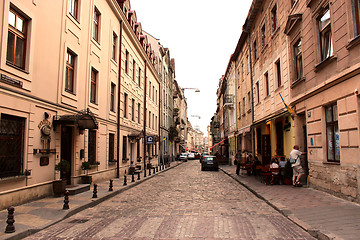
x=86, y=179
x=59, y=185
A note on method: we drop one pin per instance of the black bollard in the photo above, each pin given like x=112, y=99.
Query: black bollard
x=157, y=168
x=138, y=176
x=10, y=228
x=132, y=178
x=144, y=172
x=154, y=170
x=149, y=171
x=125, y=180
x=95, y=191
x=66, y=200
x=111, y=185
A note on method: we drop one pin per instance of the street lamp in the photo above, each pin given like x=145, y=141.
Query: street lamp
x=196, y=89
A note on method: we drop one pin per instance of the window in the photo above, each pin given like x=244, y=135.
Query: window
x=244, y=105
x=125, y=104
x=12, y=145
x=263, y=36
x=16, y=39
x=298, y=60
x=134, y=71
x=239, y=105
x=149, y=119
x=133, y=109
x=96, y=26
x=242, y=71
x=257, y=92
x=247, y=64
x=274, y=18
x=278, y=73
x=153, y=122
x=255, y=50
x=139, y=77
x=92, y=147
x=249, y=98
x=332, y=133
x=266, y=78
x=324, y=27
x=70, y=71
x=153, y=93
x=114, y=43
x=139, y=112
x=112, y=97
x=126, y=61
x=111, y=147
x=93, y=90
x=124, y=150
x=73, y=8
x=356, y=11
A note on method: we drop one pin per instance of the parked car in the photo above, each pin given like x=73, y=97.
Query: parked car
x=209, y=162
x=183, y=157
x=191, y=156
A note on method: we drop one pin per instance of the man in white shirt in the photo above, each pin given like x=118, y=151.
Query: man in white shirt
x=298, y=171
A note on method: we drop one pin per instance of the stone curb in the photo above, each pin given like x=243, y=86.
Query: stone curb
x=71, y=212
x=287, y=213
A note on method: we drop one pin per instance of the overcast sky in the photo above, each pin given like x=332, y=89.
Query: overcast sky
x=201, y=36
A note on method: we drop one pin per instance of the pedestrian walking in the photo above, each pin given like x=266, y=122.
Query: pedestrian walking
x=295, y=161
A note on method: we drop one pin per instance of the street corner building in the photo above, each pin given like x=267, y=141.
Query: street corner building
x=80, y=95
x=293, y=78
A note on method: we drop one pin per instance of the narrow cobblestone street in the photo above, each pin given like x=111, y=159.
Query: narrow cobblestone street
x=182, y=203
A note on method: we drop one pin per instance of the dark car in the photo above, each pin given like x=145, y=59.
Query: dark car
x=209, y=162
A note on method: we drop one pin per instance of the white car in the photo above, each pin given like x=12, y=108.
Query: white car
x=183, y=157
x=191, y=156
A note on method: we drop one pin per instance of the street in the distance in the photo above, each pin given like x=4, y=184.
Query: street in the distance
x=182, y=203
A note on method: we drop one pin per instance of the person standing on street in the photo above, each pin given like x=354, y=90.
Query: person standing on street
x=295, y=161
x=237, y=161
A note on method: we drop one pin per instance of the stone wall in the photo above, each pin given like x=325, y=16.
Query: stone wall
x=338, y=180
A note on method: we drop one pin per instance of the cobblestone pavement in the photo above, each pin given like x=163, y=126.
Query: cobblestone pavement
x=182, y=203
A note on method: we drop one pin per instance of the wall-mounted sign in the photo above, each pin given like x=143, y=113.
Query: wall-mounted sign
x=150, y=140
x=11, y=81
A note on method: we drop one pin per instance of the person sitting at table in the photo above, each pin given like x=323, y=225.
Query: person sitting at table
x=282, y=162
x=274, y=174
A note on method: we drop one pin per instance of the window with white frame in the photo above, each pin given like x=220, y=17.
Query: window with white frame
x=17, y=37
x=325, y=36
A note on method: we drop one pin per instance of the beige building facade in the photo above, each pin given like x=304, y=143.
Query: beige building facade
x=324, y=76
x=80, y=87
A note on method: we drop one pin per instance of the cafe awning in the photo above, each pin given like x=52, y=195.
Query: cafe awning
x=84, y=119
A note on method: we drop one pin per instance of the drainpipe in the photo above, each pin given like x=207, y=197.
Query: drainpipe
x=160, y=151
x=118, y=107
x=145, y=85
x=252, y=93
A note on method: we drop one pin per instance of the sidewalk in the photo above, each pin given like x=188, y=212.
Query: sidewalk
x=37, y=215
x=323, y=215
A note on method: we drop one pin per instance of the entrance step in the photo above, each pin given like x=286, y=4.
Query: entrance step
x=78, y=188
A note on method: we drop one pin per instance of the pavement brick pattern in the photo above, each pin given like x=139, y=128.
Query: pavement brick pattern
x=182, y=203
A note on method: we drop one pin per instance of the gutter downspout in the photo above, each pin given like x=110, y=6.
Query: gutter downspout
x=118, y=107
x=160, y=104
x=145, y=86
x=252, y=93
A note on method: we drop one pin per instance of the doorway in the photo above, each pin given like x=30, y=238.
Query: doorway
x=66, y=149
x=266, y=149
